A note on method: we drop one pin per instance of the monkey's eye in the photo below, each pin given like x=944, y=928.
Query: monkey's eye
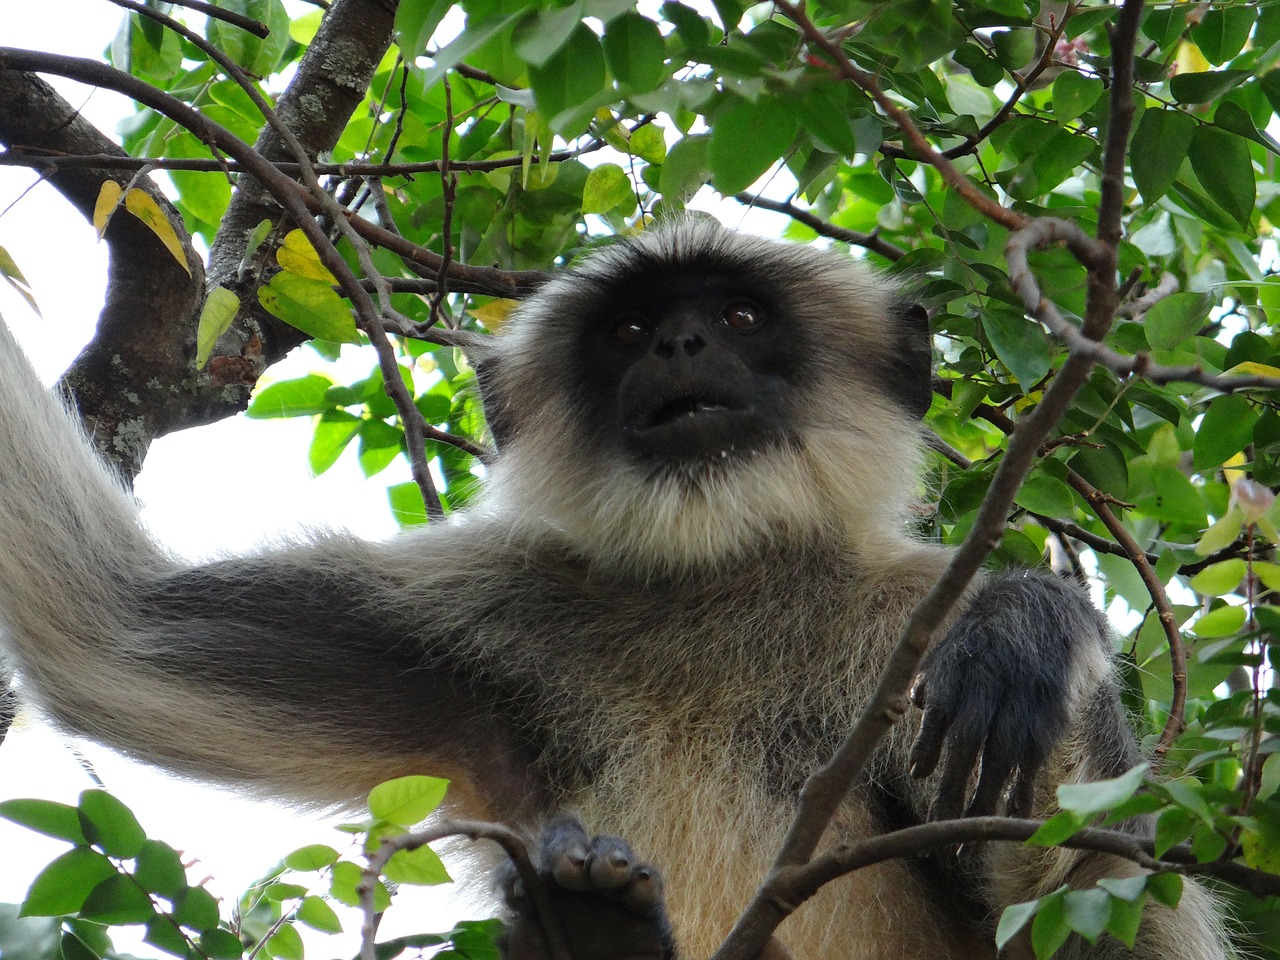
x=632, y=329
x=742, y=315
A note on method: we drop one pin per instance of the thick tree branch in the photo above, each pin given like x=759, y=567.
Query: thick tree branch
x=146, y=331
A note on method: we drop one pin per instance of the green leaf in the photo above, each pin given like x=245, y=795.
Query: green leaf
x=1014, y=48
x=257, y=55
x=1087, y=912
x=197, y=909
x=1224, y=621
x=286, y=944
x=345, y=878
x=162, y=934
x=1019, y=342
x=1013, y=919
x=119, y=901
x=316, y=913
x=1074, y=95
x=1223, y=31
x=648, y=143
x=416, y=21
x=406, y=800
x=1165, y=888
x=159, y=869
x=1206, y=87
x=1047, y=496
x=221, y=945
x=607, y=186
x=746, y=139
x=634, y=51
x=1159, y=145
x=316, y=856
x=1050, y=929
x=57, y=820
x=686, y=168
x=407, y=506
x=1219, y=578
x=1057, y=828
x=545, y=34
x=300, y=397
x=63, y=885
x=219, y=310
x=111, y=826
x=1175, y=318
x=1225, y=430
x=570, y=78
x=333, y=432
x=422, y=867
x=73, y=947
x=311, y=306
x=1224, y=168
x=1090, y=799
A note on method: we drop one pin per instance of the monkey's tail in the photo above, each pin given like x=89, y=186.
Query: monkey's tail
x=71, y=547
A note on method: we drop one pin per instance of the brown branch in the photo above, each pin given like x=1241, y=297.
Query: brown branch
x=1164, y=610
x=794, y=886
x=513, y=846
x=924, y=150
x=1025, y=83
x=141, y=342
x=22, y=155
x=255, y=27
x=869, y=241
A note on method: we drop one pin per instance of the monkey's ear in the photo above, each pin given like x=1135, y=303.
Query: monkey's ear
x=496, y=410
x=912, y=359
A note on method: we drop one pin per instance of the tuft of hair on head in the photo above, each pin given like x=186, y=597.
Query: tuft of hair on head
x=850, y=471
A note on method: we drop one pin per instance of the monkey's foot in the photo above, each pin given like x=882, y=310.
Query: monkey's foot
x=609, y=905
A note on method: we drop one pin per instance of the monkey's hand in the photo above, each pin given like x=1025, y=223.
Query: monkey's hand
x=1000, y=690
x=608, y=904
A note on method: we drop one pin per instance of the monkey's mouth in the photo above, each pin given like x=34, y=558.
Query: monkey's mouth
x=693, y=425
x=683, y=409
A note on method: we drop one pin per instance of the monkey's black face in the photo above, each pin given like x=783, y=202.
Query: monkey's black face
x=683, y=366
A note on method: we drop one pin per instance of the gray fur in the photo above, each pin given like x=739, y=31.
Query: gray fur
x=669, y=651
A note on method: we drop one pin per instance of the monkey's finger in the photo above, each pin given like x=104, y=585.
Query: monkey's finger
x=919, y=691
x=1022, y=797
x=565, y=852
x=644, y=892
x=995, y=773
x=609, y=865
x=927, y=748
x=953, y=784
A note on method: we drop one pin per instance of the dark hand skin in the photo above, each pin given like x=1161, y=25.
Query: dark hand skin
x=608, y=903
x=996, y=693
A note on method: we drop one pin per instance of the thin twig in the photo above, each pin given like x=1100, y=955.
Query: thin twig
x=869, y=241
x=1175, y=723
x=513, y=846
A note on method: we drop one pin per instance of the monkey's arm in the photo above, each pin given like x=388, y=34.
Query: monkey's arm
x=1020, y=696
x=301, y=673
x=1005, y=685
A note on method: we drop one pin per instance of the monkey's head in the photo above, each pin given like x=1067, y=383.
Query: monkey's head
x=684, y=395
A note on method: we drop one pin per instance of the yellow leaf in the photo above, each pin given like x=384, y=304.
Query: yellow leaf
x=13, y=276
x=219, y=309
x=144, y=207
x=297, y=256
x=1231, y=475
x=494, y=313
x=1190, y=59
x=1253, y=368
x=105, y=206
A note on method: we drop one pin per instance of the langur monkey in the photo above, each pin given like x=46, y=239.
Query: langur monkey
x=692, y=560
